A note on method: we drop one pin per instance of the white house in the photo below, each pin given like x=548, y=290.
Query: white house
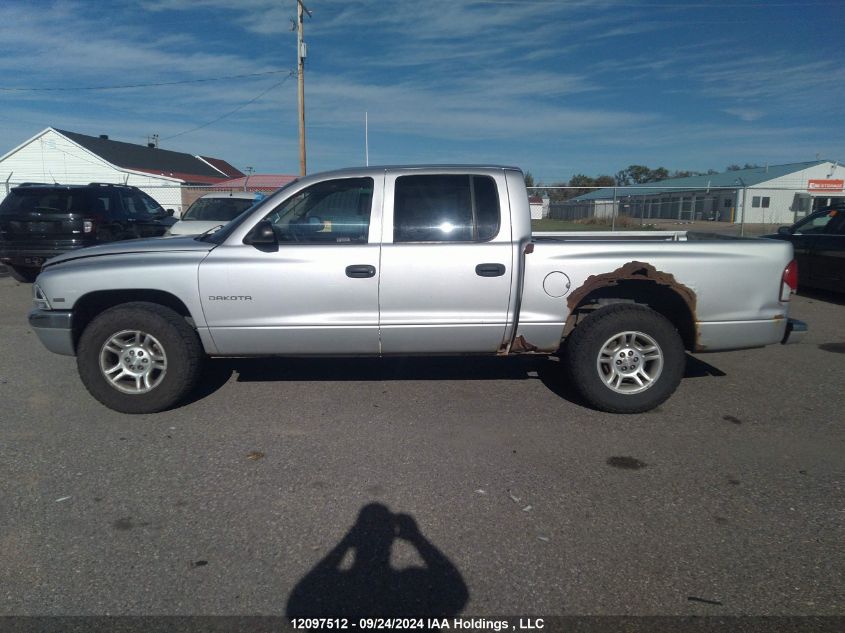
x=69, y=158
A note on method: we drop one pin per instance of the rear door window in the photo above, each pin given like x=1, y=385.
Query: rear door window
x=445, y=208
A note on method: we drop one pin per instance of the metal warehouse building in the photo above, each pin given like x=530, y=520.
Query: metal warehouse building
x=774, y=194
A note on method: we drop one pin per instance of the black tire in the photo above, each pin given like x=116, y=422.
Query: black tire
x=174, y=343
x=21, y=274
x=630, y=365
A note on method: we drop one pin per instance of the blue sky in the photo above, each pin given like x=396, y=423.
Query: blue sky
x=556, y=87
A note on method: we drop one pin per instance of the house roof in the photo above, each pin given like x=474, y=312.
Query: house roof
x=257, y=181
x=223, y=167
x=153, y=160
x=740, y=177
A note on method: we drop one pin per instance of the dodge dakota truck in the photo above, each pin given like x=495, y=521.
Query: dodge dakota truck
x=417, y=260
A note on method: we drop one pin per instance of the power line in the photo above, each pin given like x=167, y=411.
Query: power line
x=150, y=85
x=231, y=112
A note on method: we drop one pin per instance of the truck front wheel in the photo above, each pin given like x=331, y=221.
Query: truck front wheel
x=625, y=358
x=139, y=357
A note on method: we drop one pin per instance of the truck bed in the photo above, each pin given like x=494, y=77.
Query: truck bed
x=630, y=236
x=615, y=236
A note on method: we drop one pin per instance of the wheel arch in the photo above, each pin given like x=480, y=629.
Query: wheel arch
x=88, y=306
x=641, y=283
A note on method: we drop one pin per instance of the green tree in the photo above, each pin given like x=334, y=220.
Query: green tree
x=584, y=184
x=640, y=174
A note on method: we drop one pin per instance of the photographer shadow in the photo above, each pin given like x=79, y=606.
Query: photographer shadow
x=369, y=587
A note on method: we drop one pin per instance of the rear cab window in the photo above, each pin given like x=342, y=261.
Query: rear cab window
x=445, y=208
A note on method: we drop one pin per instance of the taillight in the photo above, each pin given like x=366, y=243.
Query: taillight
x=789, y=283
x=88, y=226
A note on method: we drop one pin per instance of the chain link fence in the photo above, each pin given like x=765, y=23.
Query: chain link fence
x=653, y=204
x=644, y=204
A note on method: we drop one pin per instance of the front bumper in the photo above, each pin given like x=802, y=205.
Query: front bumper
x=54, y=330
x=795, y=331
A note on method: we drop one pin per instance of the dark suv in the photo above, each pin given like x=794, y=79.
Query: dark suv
x=819, y=243
x=38, y=221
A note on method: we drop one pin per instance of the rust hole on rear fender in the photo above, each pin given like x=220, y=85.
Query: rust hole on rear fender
x=632, y=271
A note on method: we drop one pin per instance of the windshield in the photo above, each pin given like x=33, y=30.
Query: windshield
x=223, y=234
x=816, y=222
x=217, y=209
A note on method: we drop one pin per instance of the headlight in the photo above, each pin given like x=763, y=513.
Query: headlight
x=39, y=299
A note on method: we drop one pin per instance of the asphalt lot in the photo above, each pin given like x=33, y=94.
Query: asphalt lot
x=727, y=500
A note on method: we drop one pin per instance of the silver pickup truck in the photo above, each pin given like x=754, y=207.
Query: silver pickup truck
x=410, y=261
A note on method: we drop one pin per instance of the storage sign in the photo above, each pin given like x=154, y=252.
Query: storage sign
x=825, y=185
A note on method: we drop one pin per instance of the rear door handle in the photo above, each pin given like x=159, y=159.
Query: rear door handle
x=490, y=270
x=361, y=271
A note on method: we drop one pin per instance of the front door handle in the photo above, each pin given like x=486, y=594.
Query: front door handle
x=361, y=271
x=490, y=270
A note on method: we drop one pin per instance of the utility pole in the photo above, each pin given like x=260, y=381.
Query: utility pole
x=301, y=9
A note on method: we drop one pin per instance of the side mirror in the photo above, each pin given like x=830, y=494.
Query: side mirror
x=262, y=235
x=169, y=212
x=784, y=230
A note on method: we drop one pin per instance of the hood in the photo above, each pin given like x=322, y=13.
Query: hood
x=146, y=245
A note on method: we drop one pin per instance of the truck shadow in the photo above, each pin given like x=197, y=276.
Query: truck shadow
x=218, y=371
x=697, y=368
x=355, y=579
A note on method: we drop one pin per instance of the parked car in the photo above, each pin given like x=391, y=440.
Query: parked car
x=214, y=209
x=40, y=221
x=819, y=243
x=412, y=261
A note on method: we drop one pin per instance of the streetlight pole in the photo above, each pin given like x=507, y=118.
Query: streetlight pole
x=301, y=9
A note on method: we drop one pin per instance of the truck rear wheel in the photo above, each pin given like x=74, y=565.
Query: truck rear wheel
x=625, y=358
x=139, y=358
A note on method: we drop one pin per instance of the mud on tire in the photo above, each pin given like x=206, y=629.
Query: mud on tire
x=139, y=357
